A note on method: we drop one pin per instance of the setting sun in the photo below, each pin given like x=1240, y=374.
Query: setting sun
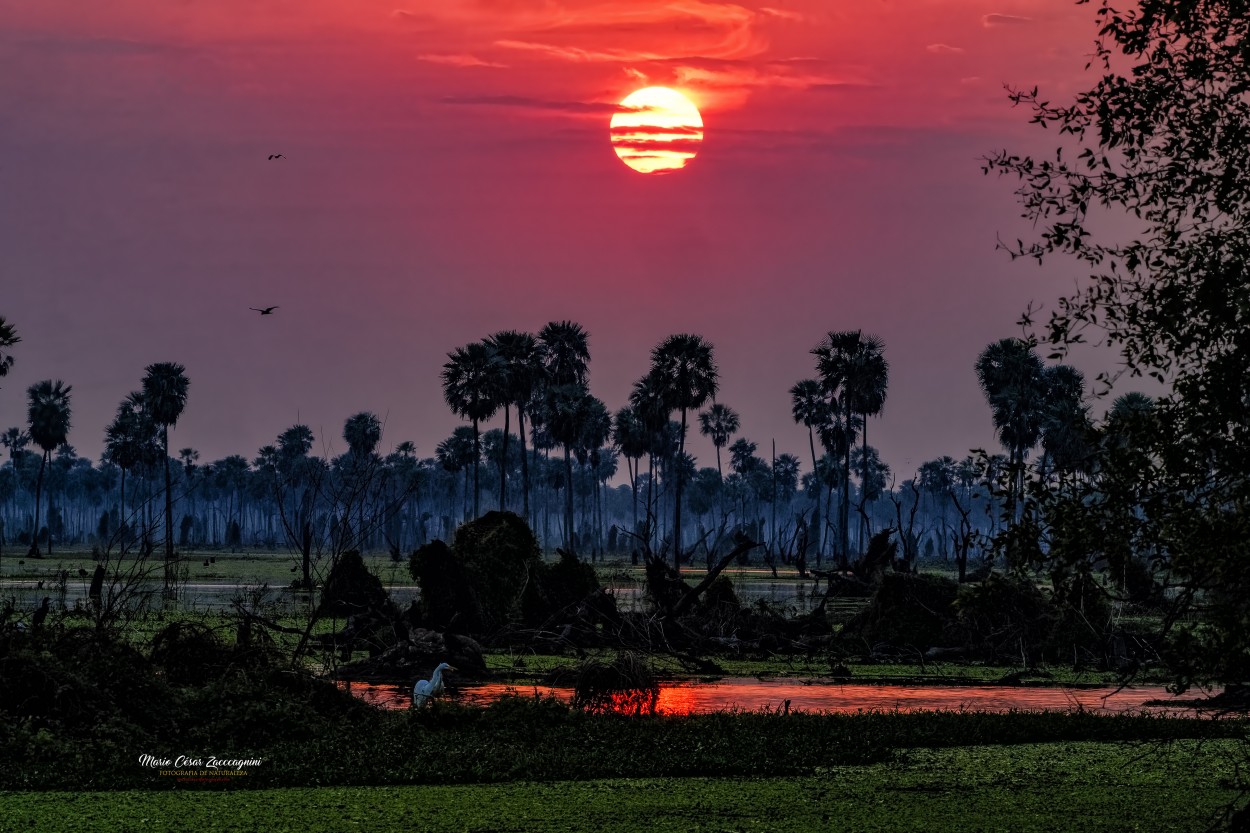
x=656, y=130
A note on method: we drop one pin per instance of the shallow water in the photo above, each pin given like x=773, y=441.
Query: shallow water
x=752, y=694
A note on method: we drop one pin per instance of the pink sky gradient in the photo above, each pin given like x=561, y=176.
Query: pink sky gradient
x=449, y=174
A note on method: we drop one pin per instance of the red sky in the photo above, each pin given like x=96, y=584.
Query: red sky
x=449, y=173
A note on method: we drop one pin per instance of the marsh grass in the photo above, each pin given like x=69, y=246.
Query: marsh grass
x=1032, y=788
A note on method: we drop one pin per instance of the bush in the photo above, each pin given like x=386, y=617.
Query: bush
x=908, y=610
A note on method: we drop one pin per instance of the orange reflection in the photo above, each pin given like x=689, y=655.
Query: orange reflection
x=684, y=698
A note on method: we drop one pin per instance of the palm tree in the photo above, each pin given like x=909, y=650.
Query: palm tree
x=362, y=432
x=835, y=363
x=1065, y=420
x=596, y=428
x=867, y=377
x=48, y=415
x=809, y=407
x=567, y=408
x=165, y=394
x=455, y=454
x=565, y=353
x=630, y=436
x=719, y=423
x=522, y=373
x=687, y=378
x=647, y=405
x=1012, y=378
x=471, y=388
x=129, y=441
x=8, y=337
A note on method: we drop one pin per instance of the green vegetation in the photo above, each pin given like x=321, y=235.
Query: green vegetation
x=1092, y=787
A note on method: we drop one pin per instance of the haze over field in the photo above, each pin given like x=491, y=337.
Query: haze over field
x=448, y=173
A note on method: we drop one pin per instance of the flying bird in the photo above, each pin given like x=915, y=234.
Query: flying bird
x=265, y=311
x=276, y=156
x=425, y=690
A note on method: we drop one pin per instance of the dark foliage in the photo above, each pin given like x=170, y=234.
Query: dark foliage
x=351, y=588
x=907, y=611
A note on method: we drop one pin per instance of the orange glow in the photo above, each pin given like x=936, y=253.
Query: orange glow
x=752, y=695
x=657, y=130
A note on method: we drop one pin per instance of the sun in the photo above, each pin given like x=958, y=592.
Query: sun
x=656, y=130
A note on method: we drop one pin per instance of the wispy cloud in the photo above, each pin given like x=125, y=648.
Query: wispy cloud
x=460, y=60
x=540, y=104
x=944, y=49
x=995, y=19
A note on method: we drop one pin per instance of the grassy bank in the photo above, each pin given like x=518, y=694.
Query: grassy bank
x=1086, y=786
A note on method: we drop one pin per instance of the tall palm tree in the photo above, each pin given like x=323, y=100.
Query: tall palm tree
x=630, y=436
x=129, y=441
x=687, y=378
x=565, y=353
x=48, y=415
x=596, y=428
x=522, y=373
x=1012, y=378
x=567, y=408
x=866, y=380
x=835, y=362
x=165, y=387
x=809, y=407
x=1065, y=420
x=471, y=389
x=719, y=423
x=8, y=337
x=455, y=454
x=362, y=432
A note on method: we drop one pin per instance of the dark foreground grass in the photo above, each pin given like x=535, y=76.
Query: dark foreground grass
x=1093, y=787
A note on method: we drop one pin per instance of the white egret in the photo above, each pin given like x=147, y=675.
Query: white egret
x=426, y=689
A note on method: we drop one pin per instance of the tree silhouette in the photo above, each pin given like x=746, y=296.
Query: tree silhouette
x=630, y=436
x=686, y=378
x=48, y=416
x=1013, y=380
x=129, y=442
x=471, y=387
x=837, y=358
x=521, y=354
x=719, y=423
x=165, y=387
x=8, y=338
x=567, y=409
x=867, y=377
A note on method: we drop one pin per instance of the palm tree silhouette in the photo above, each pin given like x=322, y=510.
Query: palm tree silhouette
x=565, y=353
x=809, y=407
x=1012, y=377
x=455, y=454
x=1065, y=420
x=687, y=378
x=568, y=407
x=647, y=402
x=8, y=337
x=835, y=362
x=719, y=423
x=48, y=414
x=522, y=373
x=471, y=380
x=129, y=440
x=630, y=436
x=867, y=377
x=165, y=387
x=362, y=432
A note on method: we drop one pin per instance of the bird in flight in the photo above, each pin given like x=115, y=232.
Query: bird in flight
x=276, y=156
x=265, y=311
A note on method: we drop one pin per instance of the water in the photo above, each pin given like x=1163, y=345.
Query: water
x=678, y=698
